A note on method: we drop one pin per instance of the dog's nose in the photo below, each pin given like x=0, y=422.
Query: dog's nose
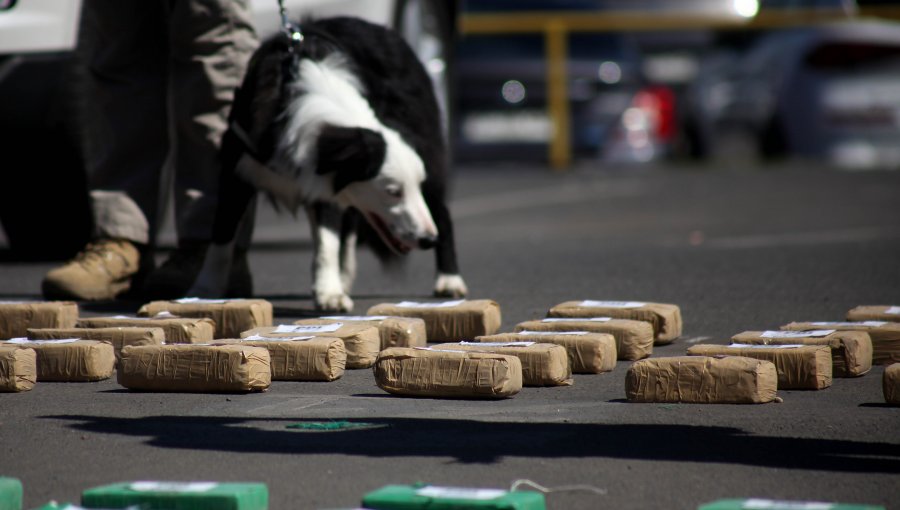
x=427, y=242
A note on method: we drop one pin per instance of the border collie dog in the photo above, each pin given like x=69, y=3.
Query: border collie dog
x=345, y=124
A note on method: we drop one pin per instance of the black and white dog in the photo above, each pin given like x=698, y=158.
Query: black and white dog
x=346, y=124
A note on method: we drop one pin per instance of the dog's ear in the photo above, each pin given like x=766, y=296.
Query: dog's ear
x=351, y=154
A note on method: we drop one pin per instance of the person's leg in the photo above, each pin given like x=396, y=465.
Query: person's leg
x=123, y=49
x=211, y=42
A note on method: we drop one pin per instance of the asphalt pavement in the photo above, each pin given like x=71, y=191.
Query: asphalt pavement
x=736, y=248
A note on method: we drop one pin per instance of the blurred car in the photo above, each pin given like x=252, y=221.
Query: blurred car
x=502, y=99
x=828, y=93
x=620, y=111
x=44, y=208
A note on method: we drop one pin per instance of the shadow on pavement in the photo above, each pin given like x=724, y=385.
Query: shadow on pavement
x=469, y=441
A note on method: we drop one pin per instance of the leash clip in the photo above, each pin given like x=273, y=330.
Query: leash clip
x=289, y=29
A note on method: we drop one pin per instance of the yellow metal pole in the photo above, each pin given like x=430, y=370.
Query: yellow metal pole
x=556, y=48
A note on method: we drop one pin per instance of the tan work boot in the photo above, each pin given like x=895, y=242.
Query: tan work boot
x=102, y=270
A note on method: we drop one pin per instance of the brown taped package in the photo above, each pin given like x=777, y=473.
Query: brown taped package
x=71, y=360
x=665, y=318
x=177, y=330
x=890, y=383
x=424, y=372
x=448, y=321
x=394, y=331
x=634, y=339
x=543, y=364
x=589, y=353
x=16, y=318
x=361, y=341
x=875, y=313
x=702, y=380
x=18, y=368
x=232, y=316
x=118, y=337
x=885, y=336
x=851, y=351
x=300, y=358
x=195, y=368
x=800, y=367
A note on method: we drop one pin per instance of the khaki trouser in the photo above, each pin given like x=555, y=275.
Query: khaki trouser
x=160, y=78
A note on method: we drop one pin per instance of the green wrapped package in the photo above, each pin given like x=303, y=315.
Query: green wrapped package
x=431, y=497
x=10, y=494
x=769, y=504
x=179, y=496
x=53, y=505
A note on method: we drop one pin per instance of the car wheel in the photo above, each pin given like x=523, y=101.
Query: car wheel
x=44, y=206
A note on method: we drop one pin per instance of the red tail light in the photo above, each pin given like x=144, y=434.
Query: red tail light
x=659, y=103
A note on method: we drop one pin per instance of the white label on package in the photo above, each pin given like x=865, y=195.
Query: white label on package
x=202, y=301
x=277, y=339
x=873, y=324
x=578, y=319
x=38, y=342
x=352, y=318
x=172, y=486
x=553, y=333
x=757, y=346
x=436, y=350
x=460, y=493
x=612, y=304
x=444, y=304
x=816, y=333
x=894, y=310
x=499, y=344
x=308, y=328
x=769, y=504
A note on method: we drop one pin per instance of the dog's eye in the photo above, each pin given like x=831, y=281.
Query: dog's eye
x=394, y=190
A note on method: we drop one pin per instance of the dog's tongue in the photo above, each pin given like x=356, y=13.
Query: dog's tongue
x=393, y=243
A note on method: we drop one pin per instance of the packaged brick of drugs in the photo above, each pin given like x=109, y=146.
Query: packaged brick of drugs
x=543, y=364
x=17, y=316
x=634, y=339
x=10, y=494
x=432, y=497
x=771, y=504
x=195, y=368
x=361, y=340
x=589, y=353
x=702, y=380
x=890, y=382
x=300, y=358
x=428, y=372
x=448, y=321
x=232, y=316
x=800, y=367
x=18, y=369
x=885, y=336
x=118, y=337
x=665, y=318
x=70, y=359
x=875, y=313
x=394, y=331
x=152, y=495
x=851, y=351
x=177, y=330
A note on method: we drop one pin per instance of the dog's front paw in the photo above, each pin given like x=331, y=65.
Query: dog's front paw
x=333, y=302
x=450, y=285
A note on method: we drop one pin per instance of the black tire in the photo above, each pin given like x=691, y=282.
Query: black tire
x=44, y=206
